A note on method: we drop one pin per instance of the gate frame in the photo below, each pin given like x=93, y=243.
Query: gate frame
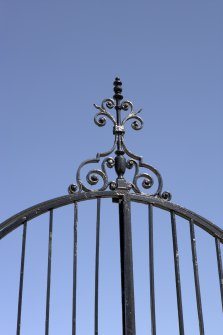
x=124, y=200
x=122, y=194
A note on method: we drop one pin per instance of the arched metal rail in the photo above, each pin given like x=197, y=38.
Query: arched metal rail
x=30, y=213
x=124, y=199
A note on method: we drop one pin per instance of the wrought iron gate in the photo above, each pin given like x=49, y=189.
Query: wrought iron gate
x=123, y=193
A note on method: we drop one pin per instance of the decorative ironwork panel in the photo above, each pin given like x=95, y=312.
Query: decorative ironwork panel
x=124, y=158
x=124, y=194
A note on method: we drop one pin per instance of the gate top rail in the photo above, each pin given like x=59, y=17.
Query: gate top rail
x=17, y=220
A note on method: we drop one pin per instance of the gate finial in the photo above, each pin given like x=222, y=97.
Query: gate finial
x=117, y=89
x=124, y=159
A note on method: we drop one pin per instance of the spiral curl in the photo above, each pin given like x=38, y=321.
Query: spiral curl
x=147, y=182
x=137, y=124
x=126, y=105
x=94, y=176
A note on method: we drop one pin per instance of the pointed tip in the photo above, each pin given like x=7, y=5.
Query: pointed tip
x=117, y=81
x=117, y=89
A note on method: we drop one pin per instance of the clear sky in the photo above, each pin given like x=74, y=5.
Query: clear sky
x=57, y=59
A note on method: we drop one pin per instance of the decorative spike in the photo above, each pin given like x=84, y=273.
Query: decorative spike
x=117, y=89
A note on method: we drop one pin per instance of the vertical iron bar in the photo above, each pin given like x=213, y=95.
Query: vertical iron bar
x=74, y=270
x=127, y=284
x=21, y=278
x=97, y=266
x=49, y=272
x=177, y=274
x=151, y=272
x=220, y=271
x=196, y=277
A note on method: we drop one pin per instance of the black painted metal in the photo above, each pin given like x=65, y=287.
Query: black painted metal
x=220, y=271
x=21, y=279
x=123, y=192
x=151, y=272
x=128, y=306
x=177, y=274
x=119, y=162
x=26, y=216
x=196, y=277
x=74, y=304
x=49, y=272
x=97, y=266
x=17, y=220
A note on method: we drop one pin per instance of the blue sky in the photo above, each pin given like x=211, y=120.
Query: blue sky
x=57, y=59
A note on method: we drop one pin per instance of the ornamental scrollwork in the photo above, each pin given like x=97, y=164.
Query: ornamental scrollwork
x=144, y=177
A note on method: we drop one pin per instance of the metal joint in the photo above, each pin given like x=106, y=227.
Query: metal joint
x=118, y=130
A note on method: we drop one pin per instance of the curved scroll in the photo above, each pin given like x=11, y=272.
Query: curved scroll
x=95, y=175
x=110, y=104
x=138, y=123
